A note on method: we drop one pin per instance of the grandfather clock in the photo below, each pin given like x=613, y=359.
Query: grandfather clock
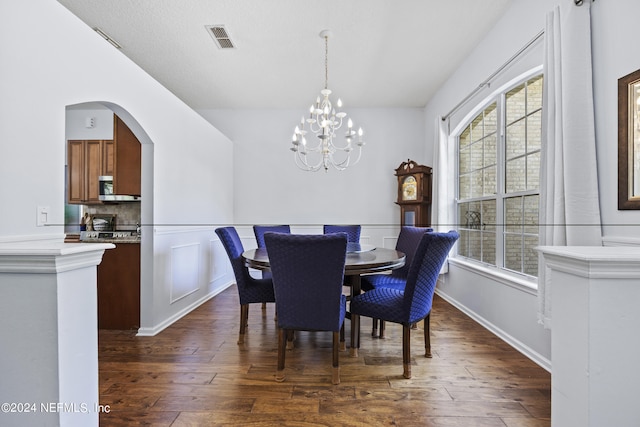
x=414, y=194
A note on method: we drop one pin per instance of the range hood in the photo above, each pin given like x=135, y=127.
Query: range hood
x=119, y=198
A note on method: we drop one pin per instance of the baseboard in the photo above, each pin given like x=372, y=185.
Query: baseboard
x=527, y=351
x=150, y=332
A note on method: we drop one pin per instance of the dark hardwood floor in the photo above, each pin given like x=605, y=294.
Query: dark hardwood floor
x=194, y=374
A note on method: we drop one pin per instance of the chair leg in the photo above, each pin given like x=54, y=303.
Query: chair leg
x=374, y=327
x=290, y=338
x=355, y=335
x=427, y=337
x=343, y=345
x=382, y=325
x=406, y=350
x=335, y=366
x=244, y=317
x=282, y=343
x=264, y=305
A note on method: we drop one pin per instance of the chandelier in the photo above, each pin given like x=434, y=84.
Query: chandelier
x=324, y=121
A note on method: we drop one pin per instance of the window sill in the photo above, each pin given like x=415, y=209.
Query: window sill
x=526, y=284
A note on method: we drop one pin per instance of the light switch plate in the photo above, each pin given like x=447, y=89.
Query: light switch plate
x=42, y=216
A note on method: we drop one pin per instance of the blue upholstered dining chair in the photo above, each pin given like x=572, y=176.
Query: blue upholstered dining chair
x=413, y=303
x=250, y=290
x=307, y=277
x=353, y=231
x=407, y=243
x=353, y=236
x=259, y=230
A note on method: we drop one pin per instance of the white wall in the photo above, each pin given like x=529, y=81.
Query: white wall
x=270, y=189
x=51, y=60
x=615, y=46
x=76, y=117
x=508, y=307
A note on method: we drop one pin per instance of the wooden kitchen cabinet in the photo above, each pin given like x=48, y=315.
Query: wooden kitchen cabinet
x=86, y=161
x=128, y=159
x=89, y=159
x=108, y=157
x=119, y=288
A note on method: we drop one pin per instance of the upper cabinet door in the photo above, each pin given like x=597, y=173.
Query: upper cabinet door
x=87, y=160
x=108, y=158
x=75, y=172
x=127, y=165
x=93, y=158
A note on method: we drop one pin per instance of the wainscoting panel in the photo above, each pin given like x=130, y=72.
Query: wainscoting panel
x=218, y=261
x=185, y=270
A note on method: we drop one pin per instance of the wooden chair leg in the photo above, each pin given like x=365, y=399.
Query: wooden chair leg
x=264, y=305
x=427, y=336
x=382, y=325
x=374, y=327
x=290, y=338
x=343, y=345
x=244, y=317
x=282, y=343
x=406, y=351
x=355, y=335
x=335, y=366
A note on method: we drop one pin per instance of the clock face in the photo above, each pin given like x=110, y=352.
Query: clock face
x=409, y=188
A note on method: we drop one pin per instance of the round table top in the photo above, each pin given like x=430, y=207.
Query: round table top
x=370, y=261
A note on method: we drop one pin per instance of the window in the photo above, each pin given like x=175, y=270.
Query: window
x=498, y=180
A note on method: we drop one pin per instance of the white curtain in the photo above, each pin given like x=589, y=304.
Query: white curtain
x=569, y=202
x=441, y=198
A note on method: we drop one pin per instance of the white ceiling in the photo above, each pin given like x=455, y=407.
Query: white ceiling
x=382, y=53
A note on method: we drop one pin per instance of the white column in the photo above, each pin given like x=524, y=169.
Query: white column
x=595, y=292
x=49, y=333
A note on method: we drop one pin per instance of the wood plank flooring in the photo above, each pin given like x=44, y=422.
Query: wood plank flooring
x=194, y=374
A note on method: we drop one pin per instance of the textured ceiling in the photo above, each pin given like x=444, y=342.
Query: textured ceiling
x=382, y=53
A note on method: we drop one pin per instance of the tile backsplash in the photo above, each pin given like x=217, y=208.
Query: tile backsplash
x=127, y=214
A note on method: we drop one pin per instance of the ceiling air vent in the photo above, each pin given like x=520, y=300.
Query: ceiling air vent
x=220, y=35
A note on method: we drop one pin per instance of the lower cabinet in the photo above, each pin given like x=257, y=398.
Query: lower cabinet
x=119, y=287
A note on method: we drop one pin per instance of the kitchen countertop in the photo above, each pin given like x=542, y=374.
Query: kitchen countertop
x=114, y=241
x=75, y=238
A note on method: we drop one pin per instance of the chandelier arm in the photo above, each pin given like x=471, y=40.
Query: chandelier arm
x=347, y=162
x=314, y=148
x=301, y=163
x=342, y=148
x=339, y=125
x=359, y=155
x=340, y=166
x=317, y=129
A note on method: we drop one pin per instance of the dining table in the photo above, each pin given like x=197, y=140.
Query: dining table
x=361, y=259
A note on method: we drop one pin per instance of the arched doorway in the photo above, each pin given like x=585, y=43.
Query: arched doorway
x=94, y=121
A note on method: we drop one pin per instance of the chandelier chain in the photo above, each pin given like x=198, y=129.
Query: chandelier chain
x=326, y=62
